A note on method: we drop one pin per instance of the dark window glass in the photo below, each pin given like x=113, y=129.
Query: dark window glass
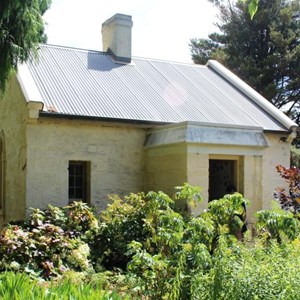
x=79, y=181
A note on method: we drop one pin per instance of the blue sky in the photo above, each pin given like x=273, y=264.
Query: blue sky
x=161, y=28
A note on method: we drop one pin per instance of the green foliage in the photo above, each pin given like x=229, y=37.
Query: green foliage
x=50, y=242
x=181, y=249
x=204, y=49
x=227, y=213
x=20, y=286
x=163, y=254
x=277, y=224
x=252, y=6
x=139, y=217
x=167, y=275
x=76, y=219
x=149, y=219
x=263, y=51
x=251, y=272
x=289, y=200
x=283, y=223
x=21, y=29
x=190, y=195
x=160, y=247
x=122, y=222
x=295, y=157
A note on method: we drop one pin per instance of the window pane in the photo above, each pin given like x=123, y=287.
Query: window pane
x=78, y=169
x=71, y=193
x=78, y=193
x=78, y=181
x=71, y=181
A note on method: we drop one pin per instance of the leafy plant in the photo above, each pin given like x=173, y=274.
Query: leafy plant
x=162, y=254
x=175, y=250
x=76, y=219
x=21, y=286
x=49, y=242
x=245, y=272
x=190, y=196
x=147, y=218
x=289, y=200
x=121, y=223
x=295, y=157
x=277, y=224
x=227, y=215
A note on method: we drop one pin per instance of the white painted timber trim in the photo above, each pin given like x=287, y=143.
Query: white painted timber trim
x=28, y=86
x=252, y=94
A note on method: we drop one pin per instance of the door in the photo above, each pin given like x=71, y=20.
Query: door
x=222, y=177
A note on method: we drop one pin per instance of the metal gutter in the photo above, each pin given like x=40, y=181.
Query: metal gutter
x=44, y=114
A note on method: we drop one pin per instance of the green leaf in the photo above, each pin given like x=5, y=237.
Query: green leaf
x=253, y=6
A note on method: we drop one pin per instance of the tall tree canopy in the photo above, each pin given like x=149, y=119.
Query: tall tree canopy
x=21, y=29
x=263, y=51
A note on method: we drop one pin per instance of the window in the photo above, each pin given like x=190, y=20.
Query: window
x=79, y=181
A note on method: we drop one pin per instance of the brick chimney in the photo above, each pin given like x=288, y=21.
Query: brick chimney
x=116, y=37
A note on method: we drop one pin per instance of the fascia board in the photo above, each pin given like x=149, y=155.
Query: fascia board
x=252, y=94
x=28, y=86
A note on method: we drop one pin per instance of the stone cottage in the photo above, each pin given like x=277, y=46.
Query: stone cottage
x=78, y=125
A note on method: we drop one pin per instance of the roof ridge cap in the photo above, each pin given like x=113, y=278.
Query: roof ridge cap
x=167, y=61
x=134, y=57
x=72, y=48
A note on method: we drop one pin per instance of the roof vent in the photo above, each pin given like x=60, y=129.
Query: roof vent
x=116, y=37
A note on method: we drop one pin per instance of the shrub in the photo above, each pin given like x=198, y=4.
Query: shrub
x=121, y=223
x=163, y=254
x=162, y=249
x=295, y=157
x=76, y=219
x=227, y=216
x=146, y=218
x=289, y=200
x=45, y=251
x=257, y=272
x=50, y=241
x=176, y=249
x=277, y=224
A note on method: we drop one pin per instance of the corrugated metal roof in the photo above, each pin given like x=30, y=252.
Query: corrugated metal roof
x=89, y=83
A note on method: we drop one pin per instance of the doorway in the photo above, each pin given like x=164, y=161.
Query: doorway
x=222, y=177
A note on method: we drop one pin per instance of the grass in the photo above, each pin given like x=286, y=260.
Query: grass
x=18, y=286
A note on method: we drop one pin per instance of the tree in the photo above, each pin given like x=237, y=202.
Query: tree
x=252, y=6
x=21, y=29
x=205, y=49
x=263, y=51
